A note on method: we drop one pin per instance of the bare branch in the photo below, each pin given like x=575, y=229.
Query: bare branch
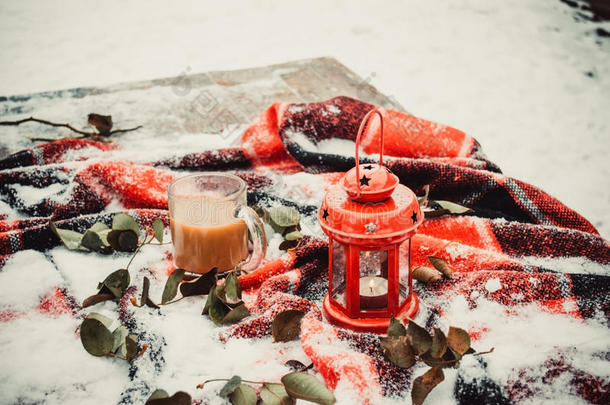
x=120, y=131
x=97, y=136
x=53, y=124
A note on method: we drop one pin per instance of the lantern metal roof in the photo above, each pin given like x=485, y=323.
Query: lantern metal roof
x=369, y=204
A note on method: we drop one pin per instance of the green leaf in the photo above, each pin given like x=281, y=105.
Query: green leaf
x=159, y=393
x=398, y=351
x=145, y=289
x=453, y=208
x=425, y=383
x=179, y=398
x=419, y=338
x=284, y=216
x=158, y=229
x=449, y=359
x=396, y=328
x=295, y=235
x=288, y=244
x=104, y=237
x=131, y=346
x=128, y=241
x=441, y=265
x=99, y=227
x=216, y=309
x=171, y=286
x=236, y=314
x=435, y=213
x=96, y=299
x=201, y=285
x=206, y=306
x=458, y=340
x=124, y=222
x=113, y=240
x=95, y=337
x=286, y=325
x=296, y=365
x=222, y=296
x=102, y=318
x=119, y=335
x=244, y=395
x=289, y=229
x=275, y=394
x=305, y=386
x=145, y=300
x=232, y=288
x=439, y=344
x=423, y=201
x=116, y=282
x=261, y=212
x=426, y=274
x=92, y=241
x=230, y=386
x=70, y=239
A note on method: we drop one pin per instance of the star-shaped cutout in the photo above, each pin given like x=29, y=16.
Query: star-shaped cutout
x=325, y=214
x=364, y=181
x=368, y=167
x=371, y=227
x=414, y=217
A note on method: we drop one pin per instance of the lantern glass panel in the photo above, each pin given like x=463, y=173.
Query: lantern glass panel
x=373, y=282
x=403, y=273
x=339, y=261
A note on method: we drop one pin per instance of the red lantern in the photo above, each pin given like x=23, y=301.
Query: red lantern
x=369, y=219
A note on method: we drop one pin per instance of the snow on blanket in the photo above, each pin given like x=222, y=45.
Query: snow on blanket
x=531, y=275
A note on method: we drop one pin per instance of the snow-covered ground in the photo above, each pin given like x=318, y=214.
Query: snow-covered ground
x=525, y=78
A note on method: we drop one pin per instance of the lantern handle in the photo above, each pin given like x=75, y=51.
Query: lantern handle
x=363, y=125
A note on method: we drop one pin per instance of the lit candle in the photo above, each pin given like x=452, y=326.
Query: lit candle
x=373, y=292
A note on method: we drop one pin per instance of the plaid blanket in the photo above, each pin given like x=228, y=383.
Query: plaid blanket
x=520, y=254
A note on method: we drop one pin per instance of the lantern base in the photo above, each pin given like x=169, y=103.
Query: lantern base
x=373, y=325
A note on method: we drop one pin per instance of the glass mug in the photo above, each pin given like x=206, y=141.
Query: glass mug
x=209, y=223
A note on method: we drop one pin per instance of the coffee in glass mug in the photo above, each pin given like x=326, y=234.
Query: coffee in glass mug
x=210, y=221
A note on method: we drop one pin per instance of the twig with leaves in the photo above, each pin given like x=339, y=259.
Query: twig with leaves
x=103, y=124
x=404, y=346
x=123, y=236
x=293, y=386
x=437, y=208
x=99, y=341
x=285, y=221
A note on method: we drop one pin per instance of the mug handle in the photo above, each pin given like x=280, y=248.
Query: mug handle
x=259, y=238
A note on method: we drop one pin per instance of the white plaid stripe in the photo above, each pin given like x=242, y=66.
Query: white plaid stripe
x=38, y=155
x=15, y=241
x=520, y=194
x=564, y=285
x=472, y=197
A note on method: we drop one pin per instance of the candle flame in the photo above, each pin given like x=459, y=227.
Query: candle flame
x=371, y=283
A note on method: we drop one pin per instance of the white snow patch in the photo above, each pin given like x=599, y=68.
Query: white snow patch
x=573, y=265
x=333, y=109
x=26, y=277
x=31, y=195
x=493, y=284
x=302, y=140
x=526, y=338
x=84, y=270
x=44, y=359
